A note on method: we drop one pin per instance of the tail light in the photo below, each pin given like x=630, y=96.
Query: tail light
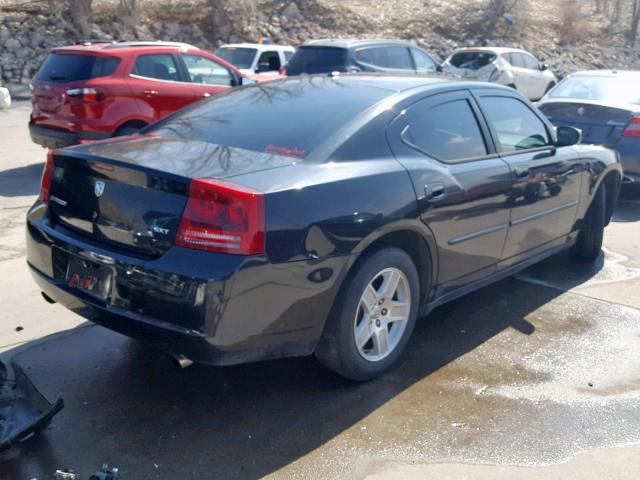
x=283, y=71
x=47, y=178
x=85, y=94
x=633, y=129
x=223, y=217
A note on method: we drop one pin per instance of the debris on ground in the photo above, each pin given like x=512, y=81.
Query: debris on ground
x=23, y=409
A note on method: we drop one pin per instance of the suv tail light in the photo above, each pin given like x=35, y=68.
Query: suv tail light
x=223, y=217
x=283, y=71
x=85, y=94
x=633, y=129
x=47, y=178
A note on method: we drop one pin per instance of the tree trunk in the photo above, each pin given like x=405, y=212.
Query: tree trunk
x=635, y=20
x=80, y=12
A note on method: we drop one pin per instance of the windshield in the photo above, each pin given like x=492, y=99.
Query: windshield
x=236, y=56
x=71, y=68
x=472, y=60
x=288, y=118
x=317, y=60
x=622, y=89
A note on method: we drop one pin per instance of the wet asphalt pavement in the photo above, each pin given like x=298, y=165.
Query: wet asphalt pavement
x=528, y=371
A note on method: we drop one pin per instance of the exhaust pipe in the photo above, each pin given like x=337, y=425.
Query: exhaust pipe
x=183, y=361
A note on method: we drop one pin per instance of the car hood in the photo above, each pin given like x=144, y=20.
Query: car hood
x=184, y=157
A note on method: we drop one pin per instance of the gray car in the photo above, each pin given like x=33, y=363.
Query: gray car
x=605, y=106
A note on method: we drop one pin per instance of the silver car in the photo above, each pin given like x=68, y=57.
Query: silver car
x=507, y=66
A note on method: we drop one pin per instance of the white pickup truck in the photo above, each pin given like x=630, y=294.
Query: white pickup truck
x=256, y=58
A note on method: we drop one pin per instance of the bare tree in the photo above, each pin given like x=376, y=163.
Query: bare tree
x=224, y=11
x=635, y=21
x=80, y=13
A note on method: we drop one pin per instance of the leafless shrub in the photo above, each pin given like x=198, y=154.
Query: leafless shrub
x=573, y=21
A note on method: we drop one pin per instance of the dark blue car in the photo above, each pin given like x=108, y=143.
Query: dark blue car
x=313, y=215
x=605, y=106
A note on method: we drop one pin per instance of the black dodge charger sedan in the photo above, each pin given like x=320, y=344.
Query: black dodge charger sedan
x=313, y=215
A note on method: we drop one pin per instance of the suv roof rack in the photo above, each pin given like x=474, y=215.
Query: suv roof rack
x=93, y=41
x=151, y=43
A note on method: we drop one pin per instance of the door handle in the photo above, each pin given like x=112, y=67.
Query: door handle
x=435, y=191
x=150, y=93
x=521, y=172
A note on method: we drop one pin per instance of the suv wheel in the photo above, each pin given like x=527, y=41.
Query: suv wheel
x=373, y=318
x=589, y=243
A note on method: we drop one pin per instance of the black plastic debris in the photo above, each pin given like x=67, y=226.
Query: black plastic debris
x=23, y=409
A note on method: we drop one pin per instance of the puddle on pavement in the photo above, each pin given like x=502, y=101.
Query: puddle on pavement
x=517, y=398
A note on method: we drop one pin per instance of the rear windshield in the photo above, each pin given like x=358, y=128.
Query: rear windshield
x=623, y=89
x=317, y=60
x=472, y=60
x=236, y=56
x=59, y=67
x=289, y=118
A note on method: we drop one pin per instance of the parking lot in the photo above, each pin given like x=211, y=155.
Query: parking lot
x=537, y=376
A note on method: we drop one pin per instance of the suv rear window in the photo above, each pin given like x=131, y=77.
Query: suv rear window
x=62, y=67
x=273, y=118
x=472, y=60
x=317, y=60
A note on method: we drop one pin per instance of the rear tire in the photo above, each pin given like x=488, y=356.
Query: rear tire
x=589, y=243
x=373, y=317
x=127, y=130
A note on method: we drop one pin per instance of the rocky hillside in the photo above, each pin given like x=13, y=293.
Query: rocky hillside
x=566, y=34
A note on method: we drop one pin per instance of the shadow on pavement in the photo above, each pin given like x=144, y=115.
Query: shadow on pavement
x=21, y=181
x=131, y=407
x=628, y=209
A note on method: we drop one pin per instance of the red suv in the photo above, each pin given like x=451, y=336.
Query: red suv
x=99, y=90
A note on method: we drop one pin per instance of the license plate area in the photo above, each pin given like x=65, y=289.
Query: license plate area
x=89, y=277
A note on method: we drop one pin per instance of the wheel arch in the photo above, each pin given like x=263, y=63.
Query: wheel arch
x=132, y=122
x=417, y=241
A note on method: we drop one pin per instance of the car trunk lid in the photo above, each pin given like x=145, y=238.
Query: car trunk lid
x=600, y=124
x=134, y=208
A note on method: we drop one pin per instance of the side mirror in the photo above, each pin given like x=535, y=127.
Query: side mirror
x=568, y=136
x=544, y=66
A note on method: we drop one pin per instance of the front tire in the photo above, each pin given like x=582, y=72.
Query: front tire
x=373, y=317
x=589, y=243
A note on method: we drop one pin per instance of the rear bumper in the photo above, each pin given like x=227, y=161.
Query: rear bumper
x=212, y=308
x=52, y=138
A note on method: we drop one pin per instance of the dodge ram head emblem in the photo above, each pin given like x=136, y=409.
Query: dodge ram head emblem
x=98, y=189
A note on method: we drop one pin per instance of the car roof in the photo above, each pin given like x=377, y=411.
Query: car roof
x=104, y=46
x=497, y=50
x=354, y=43
x=259, y=46
x=395, y=82
x=606, y=73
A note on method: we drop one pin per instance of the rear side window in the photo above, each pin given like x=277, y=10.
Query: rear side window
x=62, y=68
x=317, y=60
x=269, y=61
x=399, y=58
x=472, y=60
x=159, y=66
x=517, y=127
x=447, y=132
